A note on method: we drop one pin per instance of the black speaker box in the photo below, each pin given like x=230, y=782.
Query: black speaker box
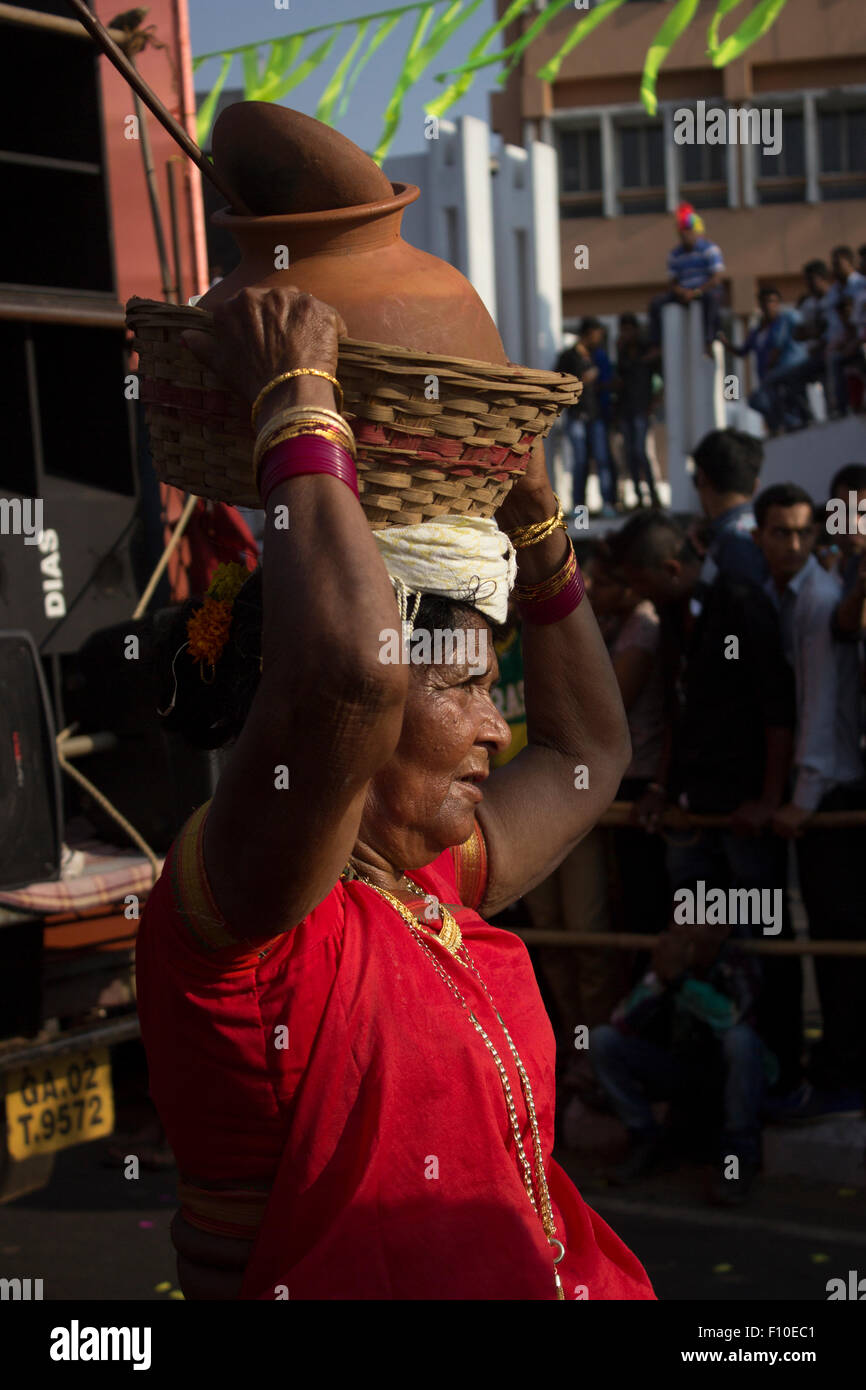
x=30, y=804
x=68, y=477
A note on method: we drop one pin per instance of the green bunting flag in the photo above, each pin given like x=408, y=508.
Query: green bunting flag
x=288, y=61
x=676, y=23
x=759, y=21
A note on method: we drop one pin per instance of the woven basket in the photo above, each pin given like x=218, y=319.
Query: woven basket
x=418, y=458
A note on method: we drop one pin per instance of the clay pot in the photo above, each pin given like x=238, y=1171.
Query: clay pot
x=279, y=160
x=351, y=256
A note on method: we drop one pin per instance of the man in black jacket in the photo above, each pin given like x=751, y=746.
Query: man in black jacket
x=732, y=713
x=584, y=422
x=634, y=397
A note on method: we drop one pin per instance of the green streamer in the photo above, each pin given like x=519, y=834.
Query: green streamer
x=518, y=48
x=377, y=40
x=252, y=81
x=468, y=69
x=328, y=99
x=753, y=28
x=418, y=57
x=677, y=21
x=205, y=114
x=284, y=54
x=581, y=30
x=318, y=29
x=283, y=71
x=303, y=70
x=725, y=7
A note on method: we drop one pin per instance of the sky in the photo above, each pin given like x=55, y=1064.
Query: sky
x=215, y=24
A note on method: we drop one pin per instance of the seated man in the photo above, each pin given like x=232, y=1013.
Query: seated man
x=777, y=352
x=696, y=269
x=686, y=1034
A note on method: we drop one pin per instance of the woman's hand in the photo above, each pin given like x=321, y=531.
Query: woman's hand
x=531, y=498
x=259, y=333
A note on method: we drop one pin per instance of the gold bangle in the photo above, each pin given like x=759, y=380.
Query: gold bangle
x=321, y=428
x=304, y=417
x=548, y=588
x=522, y=536
x=308, y=412
x=287, y=376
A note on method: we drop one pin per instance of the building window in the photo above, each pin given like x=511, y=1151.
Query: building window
x=641, y=165
x=703, y=175
x=580, y=172
x=842, y=150
x=782, y=177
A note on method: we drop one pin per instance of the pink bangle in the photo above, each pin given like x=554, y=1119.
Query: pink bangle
x=551, y=610
x=305, y=454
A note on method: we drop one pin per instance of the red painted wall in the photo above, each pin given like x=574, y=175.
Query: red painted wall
x=168, y=71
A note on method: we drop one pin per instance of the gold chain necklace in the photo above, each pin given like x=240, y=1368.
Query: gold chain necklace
x=540, y=1205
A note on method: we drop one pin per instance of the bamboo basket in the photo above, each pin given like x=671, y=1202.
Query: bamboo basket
x=436, y=435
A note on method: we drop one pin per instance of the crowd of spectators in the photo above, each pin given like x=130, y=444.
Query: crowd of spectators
x=738, y=643
x=822, y=339
x=616, y=397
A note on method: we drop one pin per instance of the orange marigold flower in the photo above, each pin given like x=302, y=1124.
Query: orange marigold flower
x=208, y=630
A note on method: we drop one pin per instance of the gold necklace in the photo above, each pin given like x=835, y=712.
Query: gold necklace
x=540, y=1204
x=449, y=934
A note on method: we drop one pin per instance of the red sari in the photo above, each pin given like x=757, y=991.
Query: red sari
x=333, y=1066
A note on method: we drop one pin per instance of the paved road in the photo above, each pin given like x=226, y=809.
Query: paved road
x=92, y=1234
x=791, y=1237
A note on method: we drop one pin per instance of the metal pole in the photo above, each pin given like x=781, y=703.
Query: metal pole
x=115, y=55
x=170, y=170
x=153, y=197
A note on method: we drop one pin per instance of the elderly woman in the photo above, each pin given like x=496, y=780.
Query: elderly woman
x=354, y=1070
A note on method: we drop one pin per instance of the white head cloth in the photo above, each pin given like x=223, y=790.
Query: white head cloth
x=460, y=557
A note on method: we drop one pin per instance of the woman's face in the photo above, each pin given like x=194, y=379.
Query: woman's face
x=426, y=796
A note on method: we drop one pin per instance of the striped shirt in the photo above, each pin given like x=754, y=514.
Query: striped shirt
x=692, y=267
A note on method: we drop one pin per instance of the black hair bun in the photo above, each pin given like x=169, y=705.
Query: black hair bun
x=206, y=712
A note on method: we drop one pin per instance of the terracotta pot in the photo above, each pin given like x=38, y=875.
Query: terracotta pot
x=312, y=190
x=355, y=259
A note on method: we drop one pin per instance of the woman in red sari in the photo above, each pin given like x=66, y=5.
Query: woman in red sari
x=356, y=1072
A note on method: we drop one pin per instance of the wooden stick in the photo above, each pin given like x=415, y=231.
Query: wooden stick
x=153, y=197
x=634, y=941
x=618, y=815
x=177, y=533
x=115, y=55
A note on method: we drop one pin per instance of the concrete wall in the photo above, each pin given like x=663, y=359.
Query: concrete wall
x=815, y=46
x=169, y=72
x=825, y=37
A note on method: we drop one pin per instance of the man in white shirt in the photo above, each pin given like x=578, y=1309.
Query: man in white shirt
x=843, y=350
x=828, y=775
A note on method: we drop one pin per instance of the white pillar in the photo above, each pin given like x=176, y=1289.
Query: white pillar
x=672, y=172
x=810, y=141
x=546, y=300
x=610, y=202
x=477, y=194
x=750, y=192
x=732, y=163
x=676, y=404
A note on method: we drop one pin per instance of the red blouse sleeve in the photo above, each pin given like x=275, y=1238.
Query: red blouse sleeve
x=194, y=906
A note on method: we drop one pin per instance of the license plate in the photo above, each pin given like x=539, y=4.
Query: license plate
x=65, y=1100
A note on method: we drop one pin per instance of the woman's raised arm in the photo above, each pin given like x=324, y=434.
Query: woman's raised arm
x=327, y=713
x=539, y=805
